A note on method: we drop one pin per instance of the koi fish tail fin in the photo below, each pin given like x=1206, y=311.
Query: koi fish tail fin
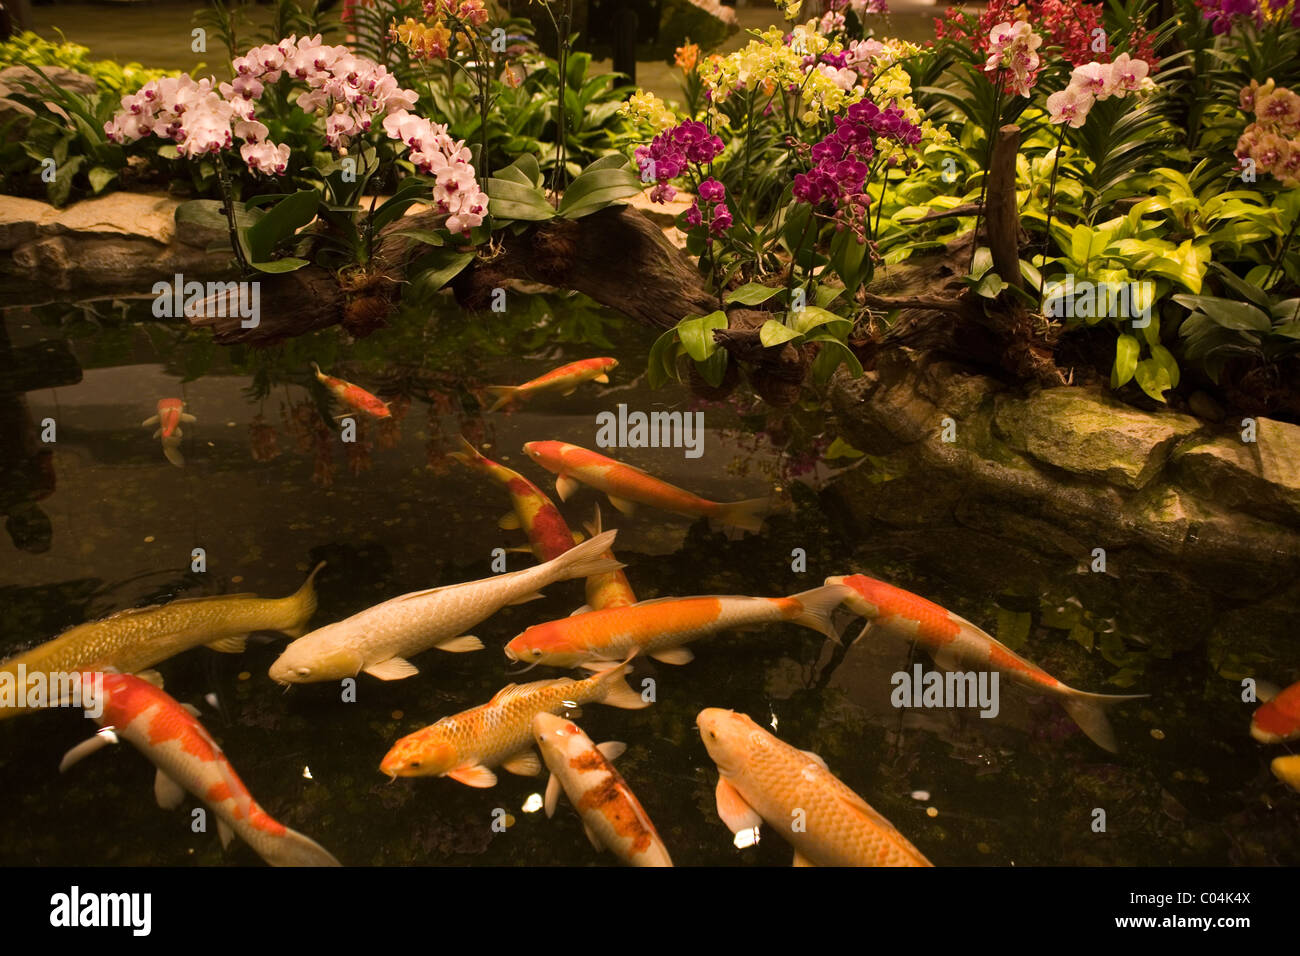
x=172, y=451
x=468, y=455
x=302, y=604
x=504, y=395
x=817, y=606
x=586, y=559
x=617, y=692
x=316, y=369
x=1089, y=712
x=294, y=849
x=747, y=515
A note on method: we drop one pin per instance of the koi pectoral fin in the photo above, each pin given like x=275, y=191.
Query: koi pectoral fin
x=395, y=668
x=552, y=798
x=474, y=775
x=565, y=487
x=230, y=645
x=525, y=764
x=800, y=860
x=87, y=747
x=734, y=811
x=167, y=791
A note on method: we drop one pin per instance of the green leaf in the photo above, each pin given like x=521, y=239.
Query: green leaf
x=751, y=293
x=595, y=189
x=714, y=368
x=281, y=222
x=833, y=353
x=990, y=286
x=1153, y=379
x=842, y=449
x=662, y=366
x=1126, y=356
x=775, y=332
x=100, y=176
x=430, y=237
x=1238, y=316
x=443, y=265
x=510, y=200
x=1165, y=359
x=287, y=264
x=983, y=262
x=811, y=316
x=696, y=334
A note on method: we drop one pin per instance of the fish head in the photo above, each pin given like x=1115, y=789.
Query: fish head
x=426, y=753
x=310, y=659
x=554, y=732
x=548, y=454
x=544, y=644
x=607, y=364
x=731, y=739
x=867, y=596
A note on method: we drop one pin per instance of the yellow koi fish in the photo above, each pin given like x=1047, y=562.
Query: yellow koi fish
x=612, y=816
x=134, y=640
x=610, y=589
x=564, y=380
x=1287, y=769
x=466, y=745
x=626, y=487
x=763, y=779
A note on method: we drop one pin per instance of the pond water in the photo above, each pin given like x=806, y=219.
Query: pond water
x=268, y=489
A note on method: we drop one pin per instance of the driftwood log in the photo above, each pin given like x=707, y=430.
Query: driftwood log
x=621, y=259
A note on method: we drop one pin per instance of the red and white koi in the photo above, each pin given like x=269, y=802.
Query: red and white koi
x=660, y=627
x=171, y=412
x=627, y=486
x=188, y=759
x=612, y=816
x=353, y=396
x=954, y=641
x=548, y=533
x=1278, y=720
x=564, y=380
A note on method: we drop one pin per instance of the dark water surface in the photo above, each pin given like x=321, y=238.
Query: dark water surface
x=268, y=490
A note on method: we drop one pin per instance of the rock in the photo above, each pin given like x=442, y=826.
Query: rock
x=135, y=215
x=1261, y=477
x=1086, y=433
x=16, y=78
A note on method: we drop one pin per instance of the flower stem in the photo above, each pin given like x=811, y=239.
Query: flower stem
x=988, y=161
x=1051, y=205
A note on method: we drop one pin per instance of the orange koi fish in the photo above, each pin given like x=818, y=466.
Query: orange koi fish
x=171, y=412
x=954, y=641
x=353, y=396
x=564, y=380
x=548, y=534
x=612, y=816
x=188, y=758
x=1287, y=769
x=762, y=778
x=610, y=589
x=660, y=627
x=1278, y=720
x=466, y=745
x=627, y=486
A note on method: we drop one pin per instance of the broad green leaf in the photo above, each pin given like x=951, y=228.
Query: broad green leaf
x=281, y=222
x=775, y=332
x=1238, y=316
x=662, y=366
x=1126, y=357
x=696, y=334
x=714, y=368
x=833, y=353
x=842, y=449
x=1153, y=379
x=443, y=265
x=751, y=293
x=287, y=264
x=595, y=189
x=511, y=200
x=811, y=316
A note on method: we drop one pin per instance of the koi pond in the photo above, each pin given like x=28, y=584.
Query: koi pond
x=101, y=519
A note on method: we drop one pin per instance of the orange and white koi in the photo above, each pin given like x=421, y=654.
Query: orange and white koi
x=763, y=779
x=626, y=486
x=954, y=641
x=1278, y=720
x=353, y=396
x=171, y=412
x=188, y=759
x=465, y=746
x=660, y=627
x=612, y=816
x=564, y=380
x=548, y=533
x=379, y=639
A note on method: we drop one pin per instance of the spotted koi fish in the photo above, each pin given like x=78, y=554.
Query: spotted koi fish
x=564, y=380
x=188, y=759
x=659, y=628
x=626, y=487
x=1278, y=720
x=763, y=779
x=612, y=817
x=548, y=534
x=954, y=641
x=353, y=396
x=171, y=412
x=467, y=744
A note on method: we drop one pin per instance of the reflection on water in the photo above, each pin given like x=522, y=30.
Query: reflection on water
x=98, y=520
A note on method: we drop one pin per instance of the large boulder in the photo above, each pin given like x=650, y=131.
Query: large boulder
x=1261, y=477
